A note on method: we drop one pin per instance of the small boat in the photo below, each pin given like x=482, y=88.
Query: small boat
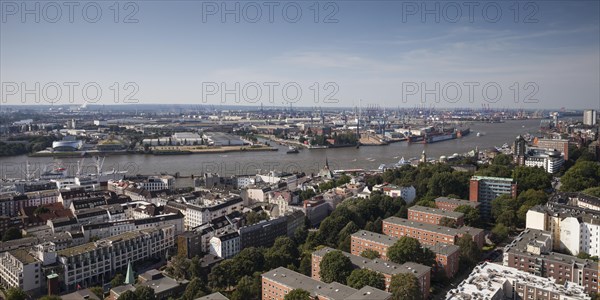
x=292, y=150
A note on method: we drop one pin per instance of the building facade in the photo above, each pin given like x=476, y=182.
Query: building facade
x=484, y=189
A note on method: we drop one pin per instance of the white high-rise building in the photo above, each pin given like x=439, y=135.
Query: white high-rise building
x=590, y=117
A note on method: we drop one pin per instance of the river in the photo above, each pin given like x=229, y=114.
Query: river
x=310, y=161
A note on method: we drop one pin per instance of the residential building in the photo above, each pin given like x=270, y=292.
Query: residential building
x=97, y=262
x=531, y=252
x=387, y=268
x=108, y=229
x=561, y=145
x=590, y=117
x=446, y=256
x=407, y=193
x=19, y=269
x=433, y=215
x=485, y=189
x=226, y=245
x=264, y=233
x=279, y=282
x=429, y=234
x=450, y=204
x=493, y=281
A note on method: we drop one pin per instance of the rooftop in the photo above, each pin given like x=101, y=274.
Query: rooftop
x=487, y=281
x=23, y=256
x=422, y=226
x=445, y=213
x=376, y=237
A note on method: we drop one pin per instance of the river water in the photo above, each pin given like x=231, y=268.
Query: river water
x=310, y=161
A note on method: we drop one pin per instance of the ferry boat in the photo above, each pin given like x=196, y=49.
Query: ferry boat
x=292, y=150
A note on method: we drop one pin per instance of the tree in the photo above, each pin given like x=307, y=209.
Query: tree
x=499, y=233
x=15, y=294
x=335, y=266
x=532, y=178
x=250, y=260
x=370, y=254
x=472, y=216
x=12, y=233
x=50, y=297
x=98, y=291
x=145, y=292
x=405, y=286
x=581, y=176
x=469, y=252
x=595, y=191
x=224, y=275
x=253, y=217
x=247, y=289
x=128, y=295
x=193, y=290
x=408, y=249
x=502, y=160
x=361, y=277
x=297, y=294
x=180, y=266
x=118, y=280
x=283, y=253
x=445, y=221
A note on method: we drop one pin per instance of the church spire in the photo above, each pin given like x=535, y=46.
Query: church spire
x=129, y=279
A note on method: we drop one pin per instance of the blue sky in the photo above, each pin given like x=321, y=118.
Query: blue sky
x=371, y=53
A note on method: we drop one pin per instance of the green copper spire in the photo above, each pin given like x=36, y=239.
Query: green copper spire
x=129, y=279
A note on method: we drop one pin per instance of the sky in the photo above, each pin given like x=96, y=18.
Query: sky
x=501, y=54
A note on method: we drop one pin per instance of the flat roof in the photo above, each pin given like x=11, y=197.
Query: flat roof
x=422, y=226
x=23, y=256
x=457, y=201
x=376, y=237
x=437, y=211
x=379, y=265
x=507, y=179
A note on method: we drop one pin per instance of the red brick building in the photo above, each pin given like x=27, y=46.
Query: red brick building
x=433, y=215
x=450, y=204
x=429, y=234
x=386, y=268
x=279, y=282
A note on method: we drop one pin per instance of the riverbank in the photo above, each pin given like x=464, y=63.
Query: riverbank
x=177, y=150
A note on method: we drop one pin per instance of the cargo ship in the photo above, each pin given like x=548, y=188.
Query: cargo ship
x=431, y=135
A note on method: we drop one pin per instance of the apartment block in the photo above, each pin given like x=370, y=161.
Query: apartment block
x=450, y=204
x=434, y=215
x=484, y=189
x=429, y=234
x=96, y=262
x=561, y=145
x=531, y=252
x=446, y=256
x=279, y=282
x=493, y=281
x=386, y=268
x=19, y=269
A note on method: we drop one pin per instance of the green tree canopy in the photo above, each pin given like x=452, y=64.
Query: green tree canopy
x=370, y=254
x=499, y=233
x=405, y=286
x=12, y=233
x=297, y=294
x=193, y=290
x=581, y=176
x=283, y=252
x=15, y=294
x=448, y=222
x=145, y=292
x=248, y=288
x=118, y=280
x=335, y=266
x=594, y=191
x=531, y=178
x=362, y=277
x=128, y=295
x=469, y=252
x=408, y=249
x=472, y=216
